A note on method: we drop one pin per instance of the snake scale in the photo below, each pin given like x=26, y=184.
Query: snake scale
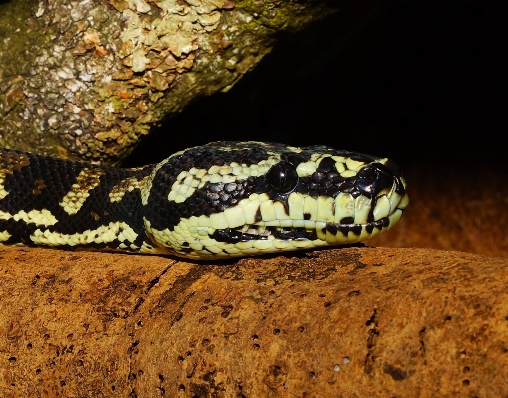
x=220, y=200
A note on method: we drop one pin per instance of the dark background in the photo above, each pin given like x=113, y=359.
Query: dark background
x=420, y=82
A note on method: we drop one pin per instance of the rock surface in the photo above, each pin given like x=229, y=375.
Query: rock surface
x=344, y=322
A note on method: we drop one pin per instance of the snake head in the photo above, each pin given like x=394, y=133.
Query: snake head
x=245, y=198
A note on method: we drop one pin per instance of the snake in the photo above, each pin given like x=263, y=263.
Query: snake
x=220, y=200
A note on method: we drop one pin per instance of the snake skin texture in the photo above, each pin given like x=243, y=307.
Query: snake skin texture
x=220, y=200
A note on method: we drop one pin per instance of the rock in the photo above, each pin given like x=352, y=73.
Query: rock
x=343, y=322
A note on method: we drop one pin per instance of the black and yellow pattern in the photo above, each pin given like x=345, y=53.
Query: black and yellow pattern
x=220, y=200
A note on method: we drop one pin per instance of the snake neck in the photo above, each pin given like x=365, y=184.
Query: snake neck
x=54, y=202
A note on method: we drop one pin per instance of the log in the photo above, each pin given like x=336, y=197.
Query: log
x=346, y=322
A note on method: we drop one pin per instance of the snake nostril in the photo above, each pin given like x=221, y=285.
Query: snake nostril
x=374, y=178
x=369, y=174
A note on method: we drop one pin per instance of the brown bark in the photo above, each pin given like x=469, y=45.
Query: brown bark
x=88, y=79
x=350, y=322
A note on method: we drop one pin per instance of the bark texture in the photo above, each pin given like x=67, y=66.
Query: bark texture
x=86, y=79
x=350, y=322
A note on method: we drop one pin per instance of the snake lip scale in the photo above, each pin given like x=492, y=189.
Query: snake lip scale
x=220, y=200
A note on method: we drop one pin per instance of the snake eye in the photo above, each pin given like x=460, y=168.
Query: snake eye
x=282, y=177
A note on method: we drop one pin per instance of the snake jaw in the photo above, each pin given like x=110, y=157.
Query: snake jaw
x=331, y=232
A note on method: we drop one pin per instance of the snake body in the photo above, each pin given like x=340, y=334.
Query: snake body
x=219, y=200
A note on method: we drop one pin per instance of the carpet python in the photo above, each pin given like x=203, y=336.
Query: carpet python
x=219, y=200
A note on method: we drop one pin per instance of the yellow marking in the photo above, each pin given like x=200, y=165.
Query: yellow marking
x=128, y=184
x=218, y=221
x=268, y=211
x=187, y=181
x=325, y=209
x=394, y=199
x=344, y=206
x=306, y=169
x=225, y=170
x=204, y=221
x=244, y=245
x=395, y=217
x=281, y=244
x=353, y=164
x=280, y=211
x=37, y=217
x=234, y=217
x=104, y=234
x=4, y=235
x=193, y=221
x=362, y=208
x=348, y=173
x=214, y=249
x=139, y=168
x=299, y=223
x=339, y=159
x=234, y=251
x=320, y=226
x=214, y=178
x=339, y=166
x=364, y=235
x=315, y=157
x=302, y=244
x=250, y=208
x=403, y=202
x=382, y=208
x=87, y=180
x=310, y=207
x=10, y=162
x=287, y=223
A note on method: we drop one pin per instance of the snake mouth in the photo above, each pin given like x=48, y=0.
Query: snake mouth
x=263, y=232
x=371, y=217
